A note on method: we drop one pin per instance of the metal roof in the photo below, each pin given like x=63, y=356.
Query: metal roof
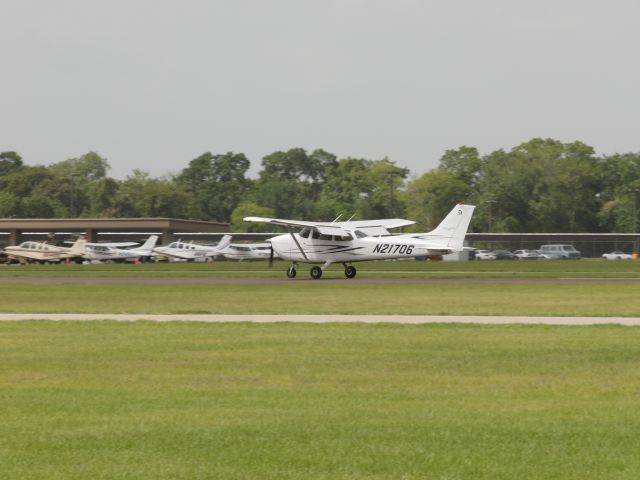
x=111, y=224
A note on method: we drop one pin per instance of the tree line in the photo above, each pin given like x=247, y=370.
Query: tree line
x=542, y=185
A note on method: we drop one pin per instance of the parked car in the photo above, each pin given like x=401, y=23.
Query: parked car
x=504, y=255
x=560, y=251
x=527, y=254
x=485, y=255
x=616, y=255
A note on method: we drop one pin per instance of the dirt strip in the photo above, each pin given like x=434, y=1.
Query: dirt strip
x=401, y=319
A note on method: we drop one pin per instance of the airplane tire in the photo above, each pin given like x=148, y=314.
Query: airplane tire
x=350, y=272
x=291, y=272
x=316, y=273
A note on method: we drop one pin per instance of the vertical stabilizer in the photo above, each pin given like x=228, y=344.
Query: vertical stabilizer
x=453, y=228
x=78, y=247
x=224, y=242
x=149, y=244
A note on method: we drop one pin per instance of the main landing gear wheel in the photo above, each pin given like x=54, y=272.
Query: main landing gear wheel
x=291, y=272
x=316, y=273
x=350, y=272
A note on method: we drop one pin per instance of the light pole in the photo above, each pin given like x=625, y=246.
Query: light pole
x=635, y=209
x=489, y=202
x=71, y=194
x=635, y=218
x=390, y=176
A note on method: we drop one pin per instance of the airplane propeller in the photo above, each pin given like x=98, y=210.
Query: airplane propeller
x=270, y=255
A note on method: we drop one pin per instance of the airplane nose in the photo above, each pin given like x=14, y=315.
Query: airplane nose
x=279, y=243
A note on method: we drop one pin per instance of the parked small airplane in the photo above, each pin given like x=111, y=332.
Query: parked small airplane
x=248, y=251
x=42, y=252
x=109, y=252
x=353, y=241
x=193, y=251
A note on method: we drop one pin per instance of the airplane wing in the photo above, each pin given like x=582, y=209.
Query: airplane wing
x=113, y=244
x=108, y=244
x=323, y=227
x=17, y=255
x=337, y=228
x=385, y=223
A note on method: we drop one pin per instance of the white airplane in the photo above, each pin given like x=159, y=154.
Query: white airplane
x=249, y=251
x=42, y=252
x=109, y=252
x=193, y=251
x=347, y=242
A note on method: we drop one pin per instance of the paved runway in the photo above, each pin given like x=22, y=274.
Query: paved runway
x=399, y=319
x=93, y=280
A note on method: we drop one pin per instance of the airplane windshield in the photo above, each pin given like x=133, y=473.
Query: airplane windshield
x=345, y=238
x=304, y=233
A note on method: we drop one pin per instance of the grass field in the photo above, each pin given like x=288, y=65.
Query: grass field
x=236, y=401
x=310, y=297
x=493, y=269
x=302, y=296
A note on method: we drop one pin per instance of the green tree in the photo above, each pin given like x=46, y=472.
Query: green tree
x=140, y=195
x=216, y=184
x=251, y=209
x=75, y=179
x=291, y=182
x=363, y=188
x=431, y=196
x=88, y=168
x=618, y=200
x=9, y=161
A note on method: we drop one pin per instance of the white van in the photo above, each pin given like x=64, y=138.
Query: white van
x=560, y=251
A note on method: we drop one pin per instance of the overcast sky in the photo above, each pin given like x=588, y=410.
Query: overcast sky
x=153, y=84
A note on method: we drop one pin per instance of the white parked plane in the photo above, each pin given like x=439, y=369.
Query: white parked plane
x=248, y=251
x=193, y=251
x=42, y=252
x=347, y=242
x=108, y=252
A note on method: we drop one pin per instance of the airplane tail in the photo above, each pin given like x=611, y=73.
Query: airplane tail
x=149, y=244
x=78, y=247
x=452, y=230
x=224, y=242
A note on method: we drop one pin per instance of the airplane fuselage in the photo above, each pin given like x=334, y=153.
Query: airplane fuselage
x=41, y=252
x=332, y=250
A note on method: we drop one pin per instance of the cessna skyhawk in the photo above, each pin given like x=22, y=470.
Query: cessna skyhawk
x=43, y=252
x=192, y=251
x=109, y=252
x=353, y=241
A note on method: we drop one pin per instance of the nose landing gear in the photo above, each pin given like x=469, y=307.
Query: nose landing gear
x=291, y=272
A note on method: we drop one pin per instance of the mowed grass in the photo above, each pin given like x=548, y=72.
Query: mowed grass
x=291, y=401
x=310, y=297
x=411, y=269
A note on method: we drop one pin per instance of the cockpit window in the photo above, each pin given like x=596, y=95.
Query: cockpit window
x=360, y=234
x=316, y=234
x=325, y=237
x=344, y=238
x=305, y=232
